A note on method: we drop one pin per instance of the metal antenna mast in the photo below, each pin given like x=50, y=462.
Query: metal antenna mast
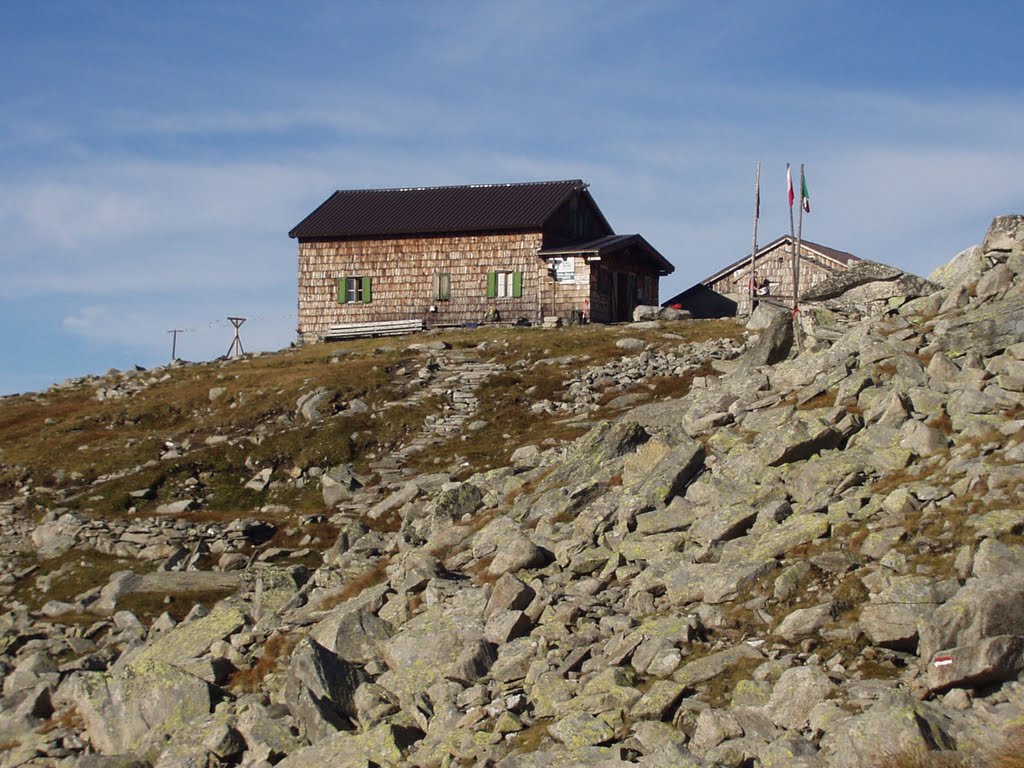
x=236, y=345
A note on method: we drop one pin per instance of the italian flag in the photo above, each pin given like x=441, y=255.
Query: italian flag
x=789, y=185
x=805, y=196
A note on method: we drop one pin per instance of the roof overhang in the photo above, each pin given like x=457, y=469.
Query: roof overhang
x=595, y=250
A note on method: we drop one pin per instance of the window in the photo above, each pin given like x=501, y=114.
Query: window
x=504, y=285
x=355, y=289
x=442, y=288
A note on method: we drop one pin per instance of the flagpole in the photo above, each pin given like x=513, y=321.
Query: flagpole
x=799, y=238
x=797, y=336
x=792, y=237
x=751, y=286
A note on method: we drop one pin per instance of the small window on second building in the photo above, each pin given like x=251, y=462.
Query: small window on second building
x=442, y=289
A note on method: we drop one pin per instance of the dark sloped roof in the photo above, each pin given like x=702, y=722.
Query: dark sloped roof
x=611, y=244
x=436, y=210
x=842, y=257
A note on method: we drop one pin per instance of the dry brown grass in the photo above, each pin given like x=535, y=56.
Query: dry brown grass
x=941, y=422
x=823, y=400
x=277, y=648
x=371, y=577
x=480, y=571
x=1008, y=752
x=68, y=717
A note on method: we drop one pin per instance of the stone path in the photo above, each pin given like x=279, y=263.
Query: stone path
x=454, y=378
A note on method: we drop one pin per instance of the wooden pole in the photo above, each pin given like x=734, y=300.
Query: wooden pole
x=797, y=336
x=753, y=250
x=792, y=236
x=799, y=238
x=174, y=342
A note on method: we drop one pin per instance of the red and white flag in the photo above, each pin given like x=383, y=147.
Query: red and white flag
x=789, y=185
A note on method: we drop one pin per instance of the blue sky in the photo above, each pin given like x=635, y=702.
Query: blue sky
x=153, y=156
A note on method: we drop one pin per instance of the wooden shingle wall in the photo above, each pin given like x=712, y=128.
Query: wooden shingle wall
x=402, y=272
x=777, y=266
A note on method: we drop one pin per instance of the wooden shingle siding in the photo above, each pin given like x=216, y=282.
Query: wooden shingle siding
x=777, y=266
x=402, y=273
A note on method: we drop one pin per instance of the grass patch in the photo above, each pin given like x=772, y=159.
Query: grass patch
x=718, y=690
x=149, y=605
x=355, y=586
x=823, y=400
x=74, y=572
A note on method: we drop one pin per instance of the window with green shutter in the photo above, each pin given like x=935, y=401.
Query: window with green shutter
x=355, y=289
x=504, y=285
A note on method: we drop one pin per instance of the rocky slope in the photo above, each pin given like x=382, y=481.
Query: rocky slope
x=813, y=558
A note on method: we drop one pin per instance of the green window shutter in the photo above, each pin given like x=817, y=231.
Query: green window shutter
x=436, y=287
x=342, y=292
x=446, y=286
x=367, y=290
x=492, y=285
x=517, y=285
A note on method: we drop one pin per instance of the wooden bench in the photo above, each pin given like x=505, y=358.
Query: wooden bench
x=379, y=328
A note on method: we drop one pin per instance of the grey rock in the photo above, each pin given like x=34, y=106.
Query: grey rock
x=311, y=405
x=805, y=622
x=982, y=608
x=630, y=344
x=382, y=745
x=966, y=266
x=891, y=618
x=473, y=662
x=994, y=560
x=797, y=692
x=774, y=345
x=373, y=704
x=516, y=554
x=406, y=493
x=509, y=594
x=1005, y=235
x=670, y=474
x=320, y=689
x=887, y=728
x=581, y=729
x=139, y=702
x=992, y=660
x=646, y=313
x=458, y=502
x=714, y=664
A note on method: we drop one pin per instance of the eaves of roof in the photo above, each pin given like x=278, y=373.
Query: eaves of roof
x=611, y=244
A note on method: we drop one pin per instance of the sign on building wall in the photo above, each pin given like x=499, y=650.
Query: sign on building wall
x=564, y=270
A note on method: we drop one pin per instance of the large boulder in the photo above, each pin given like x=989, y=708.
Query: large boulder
x=891, y=618
x=982, y=608
x=889, y=728
x=644, y=312
x=149, y=699
x=320, y=689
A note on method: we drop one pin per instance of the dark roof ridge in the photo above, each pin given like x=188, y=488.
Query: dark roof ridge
x=578, y=182
x=417, y=211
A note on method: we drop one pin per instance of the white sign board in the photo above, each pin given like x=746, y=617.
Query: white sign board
x=564, y=269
